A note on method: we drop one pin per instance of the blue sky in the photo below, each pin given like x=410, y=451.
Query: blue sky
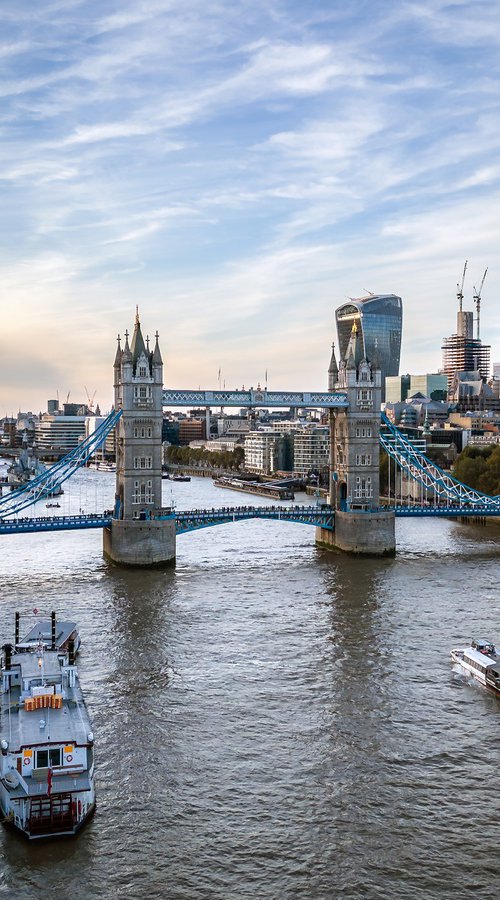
x=237, y=170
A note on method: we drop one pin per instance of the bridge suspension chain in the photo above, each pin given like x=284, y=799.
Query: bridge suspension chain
x=427, y=473
x=48, y=482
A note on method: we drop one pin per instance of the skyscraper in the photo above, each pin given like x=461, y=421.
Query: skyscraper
x=464, y=353
x=379, y=319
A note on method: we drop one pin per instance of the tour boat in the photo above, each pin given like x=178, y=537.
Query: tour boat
x=481, y=661
x=46, y=742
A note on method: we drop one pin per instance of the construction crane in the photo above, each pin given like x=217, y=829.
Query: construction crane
x=477, y=301
x=460, y=289
x=90, y=399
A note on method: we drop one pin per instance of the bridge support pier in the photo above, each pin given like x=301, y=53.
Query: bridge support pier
x=360, y=533
x=140, y=543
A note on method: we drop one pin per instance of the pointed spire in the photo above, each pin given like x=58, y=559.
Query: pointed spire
x=137, y=345
x=333, y=370
x=157, y=360
x=354, y=352
x=126, y=355
x=118, y=357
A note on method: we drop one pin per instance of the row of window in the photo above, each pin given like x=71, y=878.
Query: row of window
x=363, y=459
x=363, y=488
x=363, y=431
x=143, y=431
x=143, y=392
x=51, y=757
x=143, y=492
x=143, y=462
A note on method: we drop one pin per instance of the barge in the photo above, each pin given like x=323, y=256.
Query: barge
x=46, y=742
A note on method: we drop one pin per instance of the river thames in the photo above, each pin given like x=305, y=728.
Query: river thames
x=272, y=721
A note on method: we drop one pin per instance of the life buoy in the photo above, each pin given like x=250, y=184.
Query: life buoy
x=27, y=761
x=69, y=758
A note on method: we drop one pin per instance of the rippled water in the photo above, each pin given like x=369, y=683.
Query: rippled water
x=272, y=721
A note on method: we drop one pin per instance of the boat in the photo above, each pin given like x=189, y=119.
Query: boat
x=180, y=478
x=46, y=742
x=480, y=659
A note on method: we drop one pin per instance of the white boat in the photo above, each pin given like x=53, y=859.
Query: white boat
x=46, y=743
x=480, y=659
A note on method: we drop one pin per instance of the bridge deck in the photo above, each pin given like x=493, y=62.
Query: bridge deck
x=194, y=519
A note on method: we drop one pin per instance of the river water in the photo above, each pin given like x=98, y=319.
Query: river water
x=272, y=721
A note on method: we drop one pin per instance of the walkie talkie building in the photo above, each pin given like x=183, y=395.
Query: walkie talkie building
x=379, y=318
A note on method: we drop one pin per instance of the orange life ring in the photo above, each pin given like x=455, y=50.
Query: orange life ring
x=69, y=758
x=27, y=761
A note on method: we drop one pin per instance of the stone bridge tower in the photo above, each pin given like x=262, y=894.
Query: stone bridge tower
x=361, y=525
x=138, y=535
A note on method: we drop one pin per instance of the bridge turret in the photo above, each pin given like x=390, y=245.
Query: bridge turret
x=139, y=394
x=354, y=458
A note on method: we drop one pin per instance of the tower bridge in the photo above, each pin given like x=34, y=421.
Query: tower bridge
x=138, y=531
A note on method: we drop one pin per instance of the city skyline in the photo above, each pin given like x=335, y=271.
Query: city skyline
x=239, y=173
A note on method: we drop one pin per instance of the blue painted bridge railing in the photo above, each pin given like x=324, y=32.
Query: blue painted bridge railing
x=194, y=519
x=185, y=521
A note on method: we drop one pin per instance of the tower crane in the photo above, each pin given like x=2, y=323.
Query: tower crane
x=90, y=399
x=460, y=289
x=477, y=301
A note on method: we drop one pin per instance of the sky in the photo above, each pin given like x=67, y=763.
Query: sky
x=237, y=170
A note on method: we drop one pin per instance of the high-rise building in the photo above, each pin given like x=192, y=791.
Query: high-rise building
x=379, y=319
x=462, y=352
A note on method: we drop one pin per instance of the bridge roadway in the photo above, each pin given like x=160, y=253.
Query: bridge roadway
x=194, y=519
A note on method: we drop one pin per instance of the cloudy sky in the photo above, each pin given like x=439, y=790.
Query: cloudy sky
x=237, y=169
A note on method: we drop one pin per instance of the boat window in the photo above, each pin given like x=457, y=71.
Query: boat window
x=51, y=757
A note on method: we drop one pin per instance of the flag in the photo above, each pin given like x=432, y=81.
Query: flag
x=266, y=376
x=49, y=782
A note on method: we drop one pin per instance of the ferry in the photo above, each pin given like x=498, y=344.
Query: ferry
x=481, y=661
x=46, y=742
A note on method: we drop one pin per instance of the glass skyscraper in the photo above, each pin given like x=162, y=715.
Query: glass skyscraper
x=379, y=318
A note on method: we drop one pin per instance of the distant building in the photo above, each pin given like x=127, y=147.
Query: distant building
x=379, y=318
x=397, y=388
x=469, y=392
x=59, y=434
x=462, y=352
x=434, y=386
x=260, y=452
x=191, y=430
x=311, y=449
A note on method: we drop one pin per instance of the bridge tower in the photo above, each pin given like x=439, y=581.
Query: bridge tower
x=138, y=536
x=361, y=525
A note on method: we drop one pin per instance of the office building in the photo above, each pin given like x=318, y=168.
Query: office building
x=379, y=319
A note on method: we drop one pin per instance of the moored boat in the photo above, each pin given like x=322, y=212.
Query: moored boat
x=46, y=742
x=480, y=659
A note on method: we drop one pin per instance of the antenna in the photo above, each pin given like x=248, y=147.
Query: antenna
x=477, y=301
x=460, y=289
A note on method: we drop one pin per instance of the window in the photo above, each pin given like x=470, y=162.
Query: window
x=363, y=459
x=142, y=371
x=143, y=492
x=143, y=462
x=46, y=758
x=363, y=432
x=364, y=395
